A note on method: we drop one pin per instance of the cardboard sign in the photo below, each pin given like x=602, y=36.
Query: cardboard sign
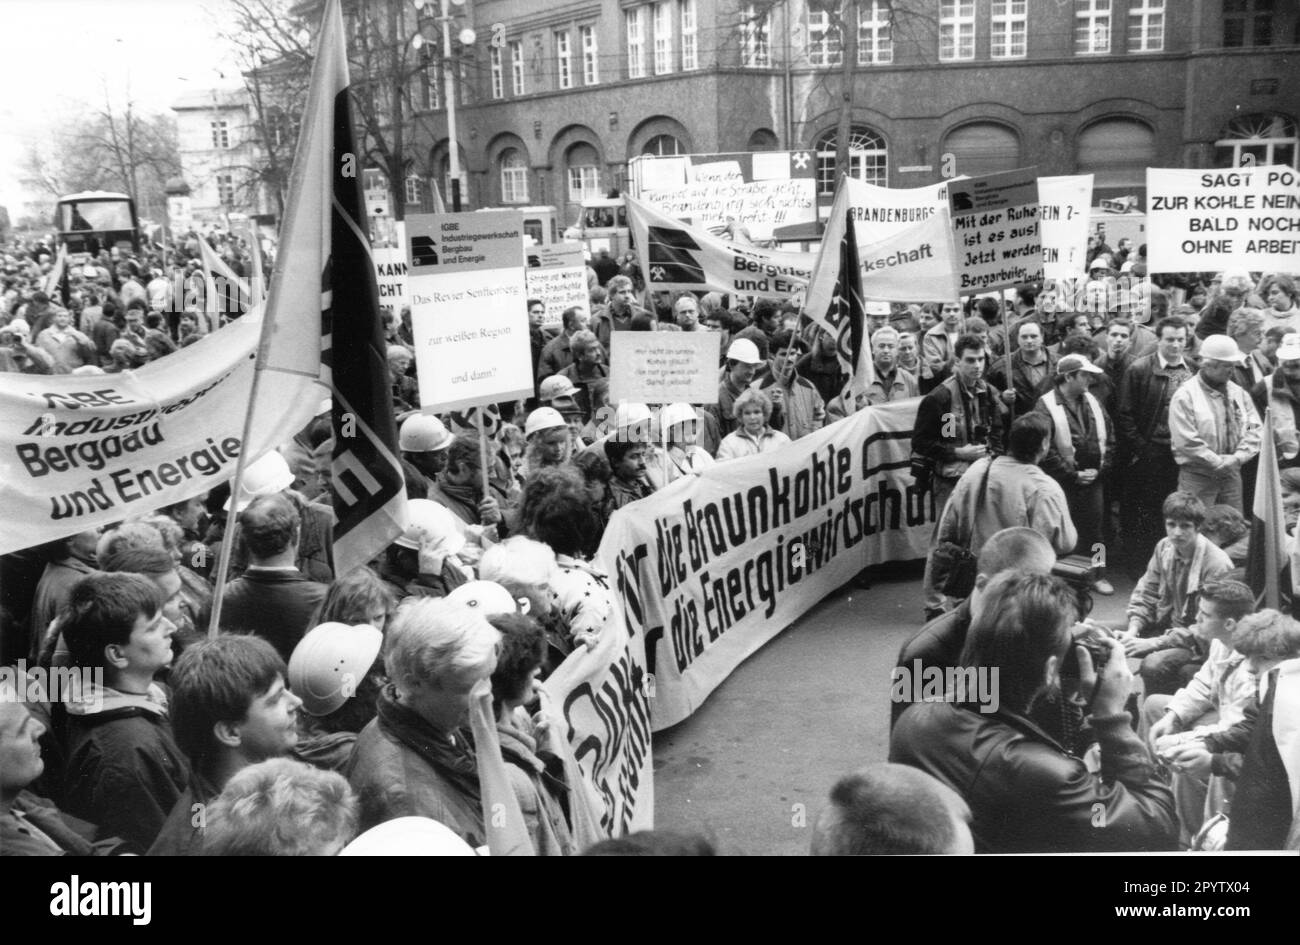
x=468, y=308
x=1064, y=210
x=557, y=275
x=998, y=236
x=664, y=367
x=1240, y=218
x=390, y=275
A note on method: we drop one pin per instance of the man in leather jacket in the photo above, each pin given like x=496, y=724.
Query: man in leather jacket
x=1026, y=792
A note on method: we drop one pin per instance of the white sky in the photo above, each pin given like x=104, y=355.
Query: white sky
x=58, y=55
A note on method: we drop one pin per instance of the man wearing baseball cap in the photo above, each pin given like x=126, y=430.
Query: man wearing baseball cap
x=1281, y=390
x=1081, y=453
x=1213, y=427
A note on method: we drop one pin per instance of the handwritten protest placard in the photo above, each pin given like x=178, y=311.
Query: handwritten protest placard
x=557, y=276
x=664, y=367
x=1241, y=218
x=1064, y=210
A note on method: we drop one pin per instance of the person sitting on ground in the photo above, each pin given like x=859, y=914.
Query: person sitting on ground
x=415, y=758
x=538, y=784
x=1226, y=527
x=230, y=709
x=1026, y=792
x=337, y=673
x=281, y=807
x=272, y=598
x=754, y=433
x=1163, y=604
x=889, y=809
x=125, y=771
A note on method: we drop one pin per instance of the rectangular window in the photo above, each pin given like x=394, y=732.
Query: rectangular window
x=590, y=58
x=662, y=22
x=517, y=67
x=220, y=135
x=755, y=38
x=1247, y=22
x=584, y=183
x=413, y=190
x=514, y=184
x=498, y=81
x=824, y=46
x=1146, y=26
x=565, y=59
x=1092, y=27
x=1009, y=24
x=635, y=44
x=225, y=190
x=956, y=30
x=690, y=51
x=875, y=43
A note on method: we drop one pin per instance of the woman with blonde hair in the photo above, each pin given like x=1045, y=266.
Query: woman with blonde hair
x=754, y=435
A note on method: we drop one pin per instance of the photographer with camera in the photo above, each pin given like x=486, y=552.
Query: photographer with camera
x=1026, y=792
x=17, y=355
x=957, y=423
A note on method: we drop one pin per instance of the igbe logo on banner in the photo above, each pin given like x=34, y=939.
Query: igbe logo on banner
x=669, y=256
x=424, y=252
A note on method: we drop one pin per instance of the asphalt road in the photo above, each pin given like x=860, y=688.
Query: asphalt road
x=751, y=768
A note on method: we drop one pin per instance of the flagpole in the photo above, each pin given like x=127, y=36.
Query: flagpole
x=482, y=451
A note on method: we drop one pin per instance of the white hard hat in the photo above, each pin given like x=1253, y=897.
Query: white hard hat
x=329, y=663
x=267, y=476
x=557, y=385
x=487, y=597
x=543, y=418
x=674, y=414
x=630, y=413
x=423, y=433
x=429, y=520
x=745, y=351
x=408, y=836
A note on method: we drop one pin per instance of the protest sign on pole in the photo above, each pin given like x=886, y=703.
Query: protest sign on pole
x=1064, y=206
x=81, y=451
x=1240, y=218
x=466, y=278
x=664, y=367
x=390, y=274
x=998, y=237
x=557, y=276
x=713, y=566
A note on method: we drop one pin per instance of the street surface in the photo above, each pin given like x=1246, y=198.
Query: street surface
x=753, y=766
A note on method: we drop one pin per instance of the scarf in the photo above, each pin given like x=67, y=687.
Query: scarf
x=453, y=760
x=1061, y=425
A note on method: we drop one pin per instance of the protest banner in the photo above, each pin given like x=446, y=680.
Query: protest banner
x=664, y=367
x=678, y=255
x=1063, y=210
x=713, y=566
x=81, y=451
x=998, y=237
x=468, y=314
x=603, y=696
x=557, y=275
x=754, y=191
x=1241, y=218
x=881, y=213
x=390, y=274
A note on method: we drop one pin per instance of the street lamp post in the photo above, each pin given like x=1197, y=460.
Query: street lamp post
x=449, y=84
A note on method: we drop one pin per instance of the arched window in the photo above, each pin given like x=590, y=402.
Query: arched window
x=983, y=148
x=663, y=146
x=762, y=140
x=514, y=176
x=1267, y=139
x=583, y=166
x=868, y=160
x=1117, y=152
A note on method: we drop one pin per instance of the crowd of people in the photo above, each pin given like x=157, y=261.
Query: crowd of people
x=1110, y=422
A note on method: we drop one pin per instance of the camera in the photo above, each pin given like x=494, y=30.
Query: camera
x=1093, y=638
